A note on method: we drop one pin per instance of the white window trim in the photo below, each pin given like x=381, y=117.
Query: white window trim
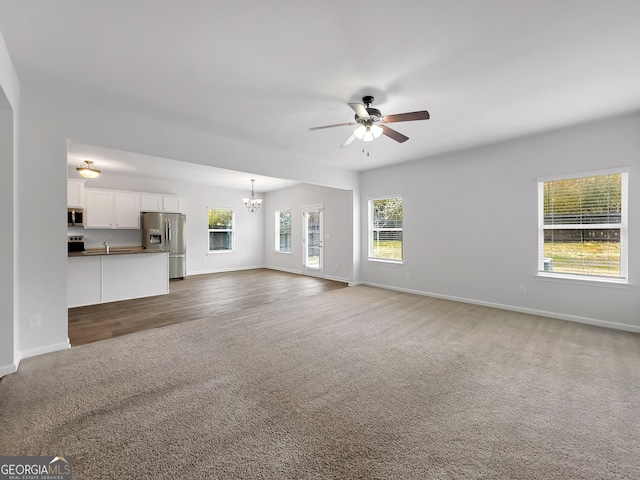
x=623, y=279
x=232, y=230
x=371, y=258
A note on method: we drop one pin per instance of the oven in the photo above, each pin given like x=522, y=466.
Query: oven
x=75, y=243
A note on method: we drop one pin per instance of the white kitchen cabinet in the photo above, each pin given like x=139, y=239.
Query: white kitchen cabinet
x=107, y=209
x=127, y=210
x=75, y=193
x=99, y=210
x=171, y=204
x=152, y=202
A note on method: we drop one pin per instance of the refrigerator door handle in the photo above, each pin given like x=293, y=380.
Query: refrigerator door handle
x=169, y=229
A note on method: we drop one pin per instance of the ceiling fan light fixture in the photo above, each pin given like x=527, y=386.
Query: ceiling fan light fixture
x=368, y=133
x=369, y=121
x=88, y=169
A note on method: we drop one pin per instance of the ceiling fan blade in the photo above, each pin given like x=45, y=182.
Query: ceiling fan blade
x=348, y=141
x=406, y=117
x=331, y=126
x=360, y=110
x=397, y=136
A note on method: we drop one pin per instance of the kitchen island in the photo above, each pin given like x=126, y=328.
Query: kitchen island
x=124, y=273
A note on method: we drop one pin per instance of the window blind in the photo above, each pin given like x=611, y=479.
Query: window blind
x=582, y=224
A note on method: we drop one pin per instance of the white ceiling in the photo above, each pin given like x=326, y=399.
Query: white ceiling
x=264, y=72
x=147, y=166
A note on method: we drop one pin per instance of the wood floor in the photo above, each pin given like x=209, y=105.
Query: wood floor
x=195, y=297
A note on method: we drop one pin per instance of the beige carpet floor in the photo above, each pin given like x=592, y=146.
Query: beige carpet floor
x=357, y=383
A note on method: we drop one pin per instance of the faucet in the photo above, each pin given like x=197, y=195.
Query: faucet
x=106, y=248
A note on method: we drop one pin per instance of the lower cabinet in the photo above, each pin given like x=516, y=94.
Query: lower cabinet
x=109, y=278
x=84, y=281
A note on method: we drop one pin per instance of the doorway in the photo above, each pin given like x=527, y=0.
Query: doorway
x=312, y=240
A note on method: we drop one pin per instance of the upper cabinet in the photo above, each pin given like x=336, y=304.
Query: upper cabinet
x=106, y=209
x=151, y=202
x=75, y=193
x=127, y=210
x=112, y=209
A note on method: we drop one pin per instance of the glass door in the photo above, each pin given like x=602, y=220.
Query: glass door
x=312, y=240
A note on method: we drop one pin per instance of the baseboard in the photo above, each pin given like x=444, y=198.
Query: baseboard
x=300, y=272
x=7, y=369
x=542, y=313
x=224, y=270
x=33, y=352
x=337, y=279
x=281, y=269
x=269, y=267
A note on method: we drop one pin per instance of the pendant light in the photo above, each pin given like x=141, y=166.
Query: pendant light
x=88, y=169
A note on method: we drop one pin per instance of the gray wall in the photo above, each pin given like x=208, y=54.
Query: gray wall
x=470, y=223
x=7, y=233
x=9, y=106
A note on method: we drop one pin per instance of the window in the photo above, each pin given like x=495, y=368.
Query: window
x=221, y=224
x=582, y=226
x=283, y=231
x=385, y=229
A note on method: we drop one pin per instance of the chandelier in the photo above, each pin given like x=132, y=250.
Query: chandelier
x=252, y=203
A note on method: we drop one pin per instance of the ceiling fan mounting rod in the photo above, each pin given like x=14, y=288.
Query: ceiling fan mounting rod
x=367, y=100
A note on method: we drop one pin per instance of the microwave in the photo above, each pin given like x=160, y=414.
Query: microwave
x=75, y=217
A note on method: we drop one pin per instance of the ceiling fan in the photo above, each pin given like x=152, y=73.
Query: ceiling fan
x=372, y=123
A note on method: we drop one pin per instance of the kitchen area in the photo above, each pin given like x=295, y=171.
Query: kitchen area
x=121, y=244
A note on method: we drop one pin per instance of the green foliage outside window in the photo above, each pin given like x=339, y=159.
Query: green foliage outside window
x=220, y=219
x=220, y=230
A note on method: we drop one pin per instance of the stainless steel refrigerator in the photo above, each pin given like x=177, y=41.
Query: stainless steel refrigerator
x=165, y=232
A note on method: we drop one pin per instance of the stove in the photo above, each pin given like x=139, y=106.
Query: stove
x=76, y=243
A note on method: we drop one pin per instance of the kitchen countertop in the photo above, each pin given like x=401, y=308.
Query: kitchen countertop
x=92, y=252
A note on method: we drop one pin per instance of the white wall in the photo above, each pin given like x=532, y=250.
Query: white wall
x=9, y=105
x=470, y=223
x=337, y=224
x=195, y=200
